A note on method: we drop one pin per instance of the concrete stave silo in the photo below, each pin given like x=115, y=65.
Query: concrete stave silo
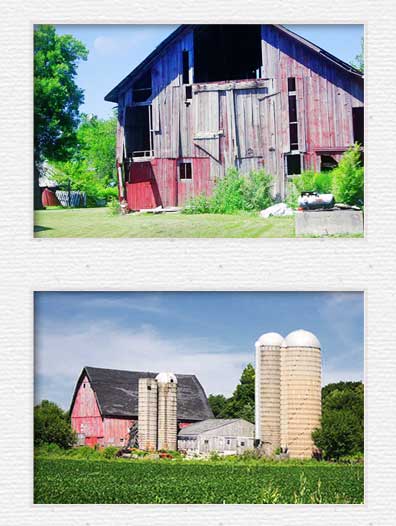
x=268, y=391
x=167, y=411
x=147, y=414
x=301, y=392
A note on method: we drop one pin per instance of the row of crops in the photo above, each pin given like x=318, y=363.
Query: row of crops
x=69, y=481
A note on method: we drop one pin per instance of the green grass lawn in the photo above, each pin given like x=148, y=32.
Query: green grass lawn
x=67, y=481
x=98, y=222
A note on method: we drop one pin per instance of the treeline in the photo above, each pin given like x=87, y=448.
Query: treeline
x=342, y=425
x=79, y=148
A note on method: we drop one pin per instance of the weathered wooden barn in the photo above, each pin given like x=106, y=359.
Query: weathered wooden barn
x=225, y=436
x=211, y=97
x=105, y=404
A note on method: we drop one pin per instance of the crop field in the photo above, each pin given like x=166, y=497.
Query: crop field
x=67, y=481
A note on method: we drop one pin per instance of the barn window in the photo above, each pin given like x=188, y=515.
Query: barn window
x=358, y=125
x=138, y=131
x=149, y=388
x=186, y=67
x=185, y=171
x=84, y=386
x=220, y=55
x=327, y=163
x=228, y=442
x=206, y=441
x=242, y=443
x=141, y=90
x=293, y=164
x=188, y=92
x=293, y=120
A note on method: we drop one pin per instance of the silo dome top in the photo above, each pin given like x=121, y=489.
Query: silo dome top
x=270, y=339
x=302, y=338
x=166, y=378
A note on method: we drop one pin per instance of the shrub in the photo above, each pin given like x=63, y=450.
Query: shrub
x=110, y=452
x=323, y=182
x=234, y=193
x=305, y=182
x=348, y=178
x=52, y=426
x=113, y=206
x=199, y=204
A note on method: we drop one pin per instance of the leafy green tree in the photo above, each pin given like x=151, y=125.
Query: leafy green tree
x=358, y=61
x=217, y=404
x=342, y=425
x=348, y=178
x=241, y=403
x=56, y=96
x=52, y=426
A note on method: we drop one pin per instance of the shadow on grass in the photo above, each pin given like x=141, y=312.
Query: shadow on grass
x=38, y=228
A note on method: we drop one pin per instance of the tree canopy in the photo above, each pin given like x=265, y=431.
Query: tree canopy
x=241, y=403
x=358, y=61
x=52, y=426
x=342, y=425
x=57, y=97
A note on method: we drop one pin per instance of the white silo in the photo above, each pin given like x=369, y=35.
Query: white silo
x=147, y=414
x=167, y=411
x=268, y=391
x=301, y=371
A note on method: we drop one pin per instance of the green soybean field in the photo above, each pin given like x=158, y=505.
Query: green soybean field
x=68, y=481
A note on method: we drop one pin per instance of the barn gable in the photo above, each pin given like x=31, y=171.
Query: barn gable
x=116, y=392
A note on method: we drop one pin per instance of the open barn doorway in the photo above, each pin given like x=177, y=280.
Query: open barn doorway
x=227, y=52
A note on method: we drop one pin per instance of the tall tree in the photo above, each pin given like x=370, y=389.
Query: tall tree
x=241, y=403
x=358, y=61
x=52, y=426
x=56, y=97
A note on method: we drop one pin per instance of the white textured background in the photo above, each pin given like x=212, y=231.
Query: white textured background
x=263, y=264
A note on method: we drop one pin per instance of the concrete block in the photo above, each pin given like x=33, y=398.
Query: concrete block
x=329, y=222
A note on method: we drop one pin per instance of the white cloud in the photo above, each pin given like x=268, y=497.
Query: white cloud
x=65, y=350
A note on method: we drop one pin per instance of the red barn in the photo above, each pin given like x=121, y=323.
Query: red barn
x=219, y=96
x=105, y=404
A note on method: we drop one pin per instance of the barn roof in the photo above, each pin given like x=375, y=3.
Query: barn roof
x=117, y=393
x=112, y=96
x=206, y=425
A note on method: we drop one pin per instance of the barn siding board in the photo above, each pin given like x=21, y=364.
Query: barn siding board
x=85, y=417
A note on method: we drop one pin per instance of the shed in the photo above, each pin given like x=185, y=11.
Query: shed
x=213, y=97
x=225, y=436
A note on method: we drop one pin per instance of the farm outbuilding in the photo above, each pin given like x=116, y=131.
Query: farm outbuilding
x=224, y=436
x=105, y=404
x=211, y=97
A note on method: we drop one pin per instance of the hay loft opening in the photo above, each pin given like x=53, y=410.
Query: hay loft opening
x=138, y=133
x=227, y=52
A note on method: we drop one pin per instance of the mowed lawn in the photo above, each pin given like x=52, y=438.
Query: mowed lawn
x=98, y=222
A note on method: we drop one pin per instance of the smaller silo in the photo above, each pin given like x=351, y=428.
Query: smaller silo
x=268, y=391
x=147, y=414
x=167, y=411
x=301, y=392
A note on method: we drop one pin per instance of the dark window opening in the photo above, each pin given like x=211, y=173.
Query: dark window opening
x=84, y=386
x=188, y=92
x=242, y=443
x=228, y=442
x=206, y=441
x=149, y=388
x=186, y=68
x=327, y=163
x=185, y=171
x=292, y=108
x=293, y=164
x=138, y=132
x=141, y=90
x=293, y=119
x=291, y=84
x=358, y=125
x=227, y=52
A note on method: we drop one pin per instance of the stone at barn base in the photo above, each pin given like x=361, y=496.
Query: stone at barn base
x=329, y=222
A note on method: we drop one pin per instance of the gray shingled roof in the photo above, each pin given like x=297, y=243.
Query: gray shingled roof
x=117, y=393
x=206, y=425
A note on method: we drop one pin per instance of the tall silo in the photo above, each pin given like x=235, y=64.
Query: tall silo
x=147, y=414
x=167, y=411
x=301, y=392
x=268, y=391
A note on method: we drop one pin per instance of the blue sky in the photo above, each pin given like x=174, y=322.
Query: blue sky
x=114, y=50
x=210, y=334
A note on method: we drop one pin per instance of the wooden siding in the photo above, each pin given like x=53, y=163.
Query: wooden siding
x=238, y=123
x=85, y=417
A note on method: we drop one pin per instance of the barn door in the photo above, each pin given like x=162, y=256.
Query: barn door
x=206, y=122
x=142, y=188
x=255, y=135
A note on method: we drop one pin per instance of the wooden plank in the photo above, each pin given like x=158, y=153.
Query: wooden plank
x=231, y=85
